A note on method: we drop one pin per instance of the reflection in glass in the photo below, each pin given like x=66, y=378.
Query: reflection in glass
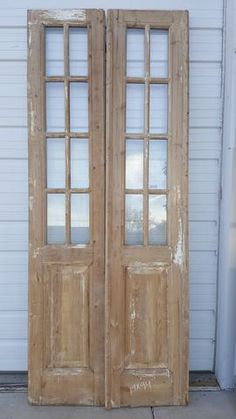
x=157, y=219
x=79, y=163
x=134, y=164
x=134, y=219
x=135, y=52
x=159, y=52
x=157, y=164
x=55, y=218
x=135, y=108
x=80, y=218
x=55, y=163
x=78, y=107
x=78, y=51
x=55, y=107
x=158, y=108
x=54, y=51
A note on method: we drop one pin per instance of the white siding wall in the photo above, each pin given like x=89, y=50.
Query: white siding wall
x=206, y=19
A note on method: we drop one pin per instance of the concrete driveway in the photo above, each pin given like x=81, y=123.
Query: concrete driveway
x=202, y=405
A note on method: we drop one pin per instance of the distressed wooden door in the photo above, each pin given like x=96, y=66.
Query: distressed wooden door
x=146, y=228
x=66, y=173
x=145, y=295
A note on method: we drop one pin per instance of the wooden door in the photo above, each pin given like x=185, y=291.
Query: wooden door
x=146, y=227
x=145, y=297
x=66, y=218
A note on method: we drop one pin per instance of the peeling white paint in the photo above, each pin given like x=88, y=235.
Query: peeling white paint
x=165, y=373
x=178, y=255
x=81, y=270
x=30, y=41
x=140, y=267
x=32, y=117
x=36, y=253
x=66, y=14
x=31, y=203
x=132, y=309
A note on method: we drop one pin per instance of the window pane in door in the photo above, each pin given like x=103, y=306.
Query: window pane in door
x=79, y=163
x=157, y=164
x=55, y=163
x=55, y=107
x=158, y=108
x=56, y=218
x=135, y=108
x=135, y=52
x=54, y=51
x=134, y=219
x=159, y=52
x=78, y=51
x=78, y=107
x=157, y=219
x=134, y=164
x=80, y=218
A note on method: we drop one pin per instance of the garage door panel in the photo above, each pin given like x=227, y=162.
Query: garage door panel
x=201, y=354
x=13, y=355
x=202, y=324
x=13, y=325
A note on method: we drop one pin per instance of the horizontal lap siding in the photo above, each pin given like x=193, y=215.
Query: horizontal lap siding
x=204, y=170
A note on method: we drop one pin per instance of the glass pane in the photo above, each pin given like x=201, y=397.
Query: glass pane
x=134, y=219
x=134, y=164
x=55, y=107
x=79, y=163
x=80, y=218
x=135, y=52
x=56, y=163
x=79, y=107
x=157, y=219
x=157, y=164
x=135, y=108
x=56, y=218
x=158, y=108
x=159, y=52
x=78, y=50
x=54, y=48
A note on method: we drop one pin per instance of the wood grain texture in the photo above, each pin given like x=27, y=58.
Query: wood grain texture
x=147, y=286
x=66, y=282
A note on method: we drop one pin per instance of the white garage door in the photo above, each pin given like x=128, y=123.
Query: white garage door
x=206, y=19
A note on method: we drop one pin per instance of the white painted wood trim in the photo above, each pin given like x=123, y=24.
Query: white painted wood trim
x=226, y=331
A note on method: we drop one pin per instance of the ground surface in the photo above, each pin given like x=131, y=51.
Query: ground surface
x=202, y=405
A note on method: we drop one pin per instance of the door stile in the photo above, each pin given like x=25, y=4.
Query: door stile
x=115, y=87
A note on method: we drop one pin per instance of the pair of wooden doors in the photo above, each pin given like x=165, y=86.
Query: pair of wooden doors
x=108, y=312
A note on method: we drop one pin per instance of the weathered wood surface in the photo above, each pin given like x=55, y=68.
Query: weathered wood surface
x=66, y=283
x=147, y=286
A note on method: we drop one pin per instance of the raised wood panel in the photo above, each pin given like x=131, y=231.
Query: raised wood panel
x=146, y=316
x=66, y=305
